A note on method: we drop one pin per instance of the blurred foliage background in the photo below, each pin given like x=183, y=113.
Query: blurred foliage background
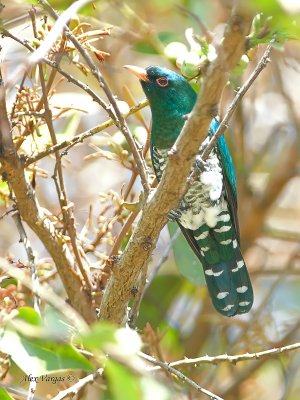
x=176, y=318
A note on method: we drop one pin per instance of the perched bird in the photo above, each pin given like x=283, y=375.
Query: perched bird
x=207, y=214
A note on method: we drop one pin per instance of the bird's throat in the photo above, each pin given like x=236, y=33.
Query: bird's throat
x=166, y=130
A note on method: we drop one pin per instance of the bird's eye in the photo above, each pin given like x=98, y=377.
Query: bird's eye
x=162, y=81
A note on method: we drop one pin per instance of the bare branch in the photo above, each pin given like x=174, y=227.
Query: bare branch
x=74, y=389
x=180, y=375
x=238, y=97
x=30, y=255
x=56, y=30
x=33, y=215
x=68, y=144
x=112, y=109
x=232, y=359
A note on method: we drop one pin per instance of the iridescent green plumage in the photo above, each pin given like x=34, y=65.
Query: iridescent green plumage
x=207, y=215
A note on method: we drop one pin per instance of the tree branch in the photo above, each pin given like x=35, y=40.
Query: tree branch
x=13, y=172
x=112, y=109
x=180, y=375
x=68, y=144
x=173, y=184
x=232, y=359
x=24, y=239
x=238, y=97
x=74, y=389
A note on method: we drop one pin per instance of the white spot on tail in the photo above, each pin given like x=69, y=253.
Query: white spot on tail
x=242, y=289
x=224, y=218
x=202, y=236
x=210, y=272
x=222, y=295
x=228, y=308
x=205, y=248
x=234, y=243
x=225, y=228
x=239, y=264
x=224, y=242
x=244, y=303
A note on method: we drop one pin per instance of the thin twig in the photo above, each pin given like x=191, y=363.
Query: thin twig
x=53, y=64
x=68, y=144
x=56, y=30
x=180, y=375
x=122, y=233
x=74, y=389
x=232, y=359
x=35, y=283
x=238, y=97
x=60, y=187
x=7, y=213
x=93, y=131
x=112, y=109
x=24, y=239
x=248, y=371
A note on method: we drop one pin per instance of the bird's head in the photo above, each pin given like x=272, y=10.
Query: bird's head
x=164, y=87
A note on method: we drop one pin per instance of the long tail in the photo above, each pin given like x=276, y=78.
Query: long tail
x=225, y=271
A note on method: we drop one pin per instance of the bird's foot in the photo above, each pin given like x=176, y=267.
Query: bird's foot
x=200, y=164
x=174, y=215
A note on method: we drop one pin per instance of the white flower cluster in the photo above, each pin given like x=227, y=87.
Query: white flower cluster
x=190, y=60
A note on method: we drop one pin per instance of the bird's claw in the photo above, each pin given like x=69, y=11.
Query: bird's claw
x=200, y=164
x=174, y=215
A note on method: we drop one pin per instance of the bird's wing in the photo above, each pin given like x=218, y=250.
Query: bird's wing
x=189, y=235
x=229, y=183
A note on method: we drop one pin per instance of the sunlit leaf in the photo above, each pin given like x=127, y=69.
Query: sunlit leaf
x=29, y=315
x=158, y=298
x=123, y=383
x=100, y=334
x=8, y=281
x=39, y=357
x=4, y=395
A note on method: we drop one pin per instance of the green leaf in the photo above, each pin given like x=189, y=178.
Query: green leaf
x=38, y=357
x=4, y=395
x=123, y=384
x=186, y=261
x=274, y=22
x=171, y=341
x=29, y=315
x=162, y=291
x=195, y=86
x=8, y=281
x=100, y=334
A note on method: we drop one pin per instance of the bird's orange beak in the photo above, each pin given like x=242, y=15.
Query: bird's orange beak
x=141, y=73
